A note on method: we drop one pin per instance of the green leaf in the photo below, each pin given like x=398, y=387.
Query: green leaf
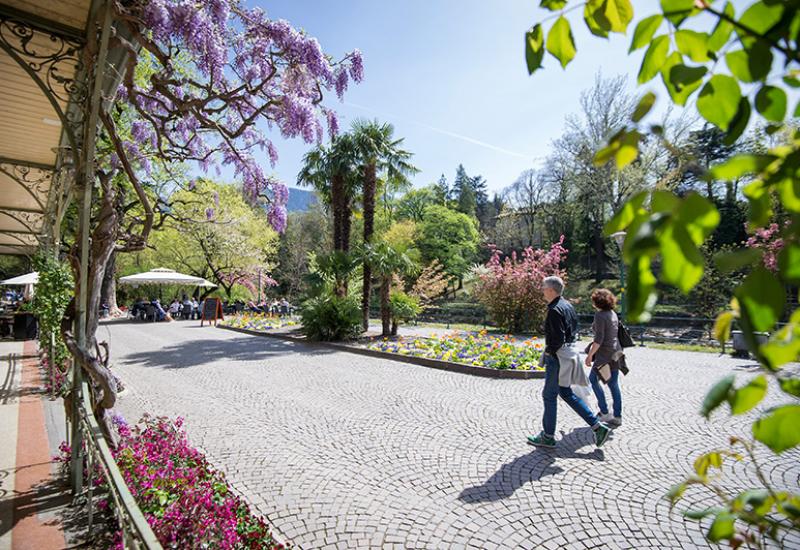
x=789, y=190
x=741, y=165
x=780, y=429
x=641, y=290
x=748, y=396
x=644, y=106
x=789, y=263
x=619, y=14
x=771, y=103
x=628, y=149
x=737, y=259
x=681, y=80
x=553, y=5
x=722, y=32
x=534, y=48
x=560, y=42
x=677, y=10
x=760, y=205
x=694, y=44
x=760, y=17
x=663, y=201
x=699, y=215
x=762, y=296
x=626, y=214
x=681, y=261
x=722, y=327
x=722, y=527
x=783, y=347
x=700, y=514
x=739, y=123
x=593, y=16
x=705, y=461
x=750, y=65
x=790, y=386
x=676, y=492
x=654, y=58
x=717, y=395
x=718, y=101
x=645, y=31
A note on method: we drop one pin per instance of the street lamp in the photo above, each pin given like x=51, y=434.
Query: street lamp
x=619, y=238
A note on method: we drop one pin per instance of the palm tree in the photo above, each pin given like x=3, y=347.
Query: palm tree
x=386, y=262
x=330, y=171
x=378, y=152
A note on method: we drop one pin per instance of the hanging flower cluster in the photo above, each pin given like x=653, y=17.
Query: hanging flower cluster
x=511, y=289
x=220, y=74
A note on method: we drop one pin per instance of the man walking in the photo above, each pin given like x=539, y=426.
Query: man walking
x=562, y=367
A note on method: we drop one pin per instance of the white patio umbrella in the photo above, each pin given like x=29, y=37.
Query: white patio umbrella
x=162, y=276
x=28, y=279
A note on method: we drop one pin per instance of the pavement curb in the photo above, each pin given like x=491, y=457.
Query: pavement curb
x=420, y=361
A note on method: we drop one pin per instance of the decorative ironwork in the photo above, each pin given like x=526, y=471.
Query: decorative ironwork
x=24, y=239
x=54, y=62
x=29, y=220
x=36, y=181
x=53, y=56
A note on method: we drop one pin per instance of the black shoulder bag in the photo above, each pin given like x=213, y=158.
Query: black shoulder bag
x=624, y=336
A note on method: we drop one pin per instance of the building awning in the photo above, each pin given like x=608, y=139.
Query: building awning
x=40, y=49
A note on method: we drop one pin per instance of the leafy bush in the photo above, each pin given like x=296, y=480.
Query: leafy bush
x=403, y=308
x=330, y=317
x=511, y=289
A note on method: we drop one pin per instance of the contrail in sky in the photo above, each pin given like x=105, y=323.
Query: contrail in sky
x=445, y=132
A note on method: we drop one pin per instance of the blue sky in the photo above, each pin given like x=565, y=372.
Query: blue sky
x=450, y=75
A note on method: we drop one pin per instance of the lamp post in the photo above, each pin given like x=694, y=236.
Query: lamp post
x=619, y=238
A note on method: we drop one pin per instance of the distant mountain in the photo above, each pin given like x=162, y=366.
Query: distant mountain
x=300, y=200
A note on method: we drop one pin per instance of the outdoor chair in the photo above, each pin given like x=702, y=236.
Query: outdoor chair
x=150, y=313
x=186, y=312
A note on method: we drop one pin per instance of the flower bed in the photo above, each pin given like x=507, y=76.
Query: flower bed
x=259, y=322
x=185, y=500
x=471, y=348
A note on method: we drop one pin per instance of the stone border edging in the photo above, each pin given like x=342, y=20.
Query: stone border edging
x=421, y=361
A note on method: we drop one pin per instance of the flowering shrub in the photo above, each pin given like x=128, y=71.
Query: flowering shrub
x=471, y=348
x=257, y=321
x=185, y=500
x=511, y=289
x=768, y=240
x=56, y=380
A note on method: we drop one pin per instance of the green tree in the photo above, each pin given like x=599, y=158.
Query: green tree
x=386, y=262
x=412, y=205
x=378, y=154
x=661, y=225
x=450, y=237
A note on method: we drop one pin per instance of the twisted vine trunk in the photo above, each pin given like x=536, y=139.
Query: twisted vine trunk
x=386, y=313
x=369, y=220
x=89, y=357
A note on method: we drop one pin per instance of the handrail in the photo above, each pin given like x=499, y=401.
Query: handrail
x=136, y=532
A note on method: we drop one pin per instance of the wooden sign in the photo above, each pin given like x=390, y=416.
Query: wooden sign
x=212, y=310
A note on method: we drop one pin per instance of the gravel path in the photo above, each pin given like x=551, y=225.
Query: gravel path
x=344, y=451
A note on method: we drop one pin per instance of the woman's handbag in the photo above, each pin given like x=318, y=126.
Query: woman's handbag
x=624, y=336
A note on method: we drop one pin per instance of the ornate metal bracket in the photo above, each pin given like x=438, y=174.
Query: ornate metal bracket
x=29, y=220
x=35, y=180
x=53, y=60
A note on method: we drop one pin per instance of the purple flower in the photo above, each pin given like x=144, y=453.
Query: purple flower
x=356, y=66
x=277, y=217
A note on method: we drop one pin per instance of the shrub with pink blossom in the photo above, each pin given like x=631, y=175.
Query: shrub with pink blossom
x=186, y=501
x=769, y=241
x=511, y=288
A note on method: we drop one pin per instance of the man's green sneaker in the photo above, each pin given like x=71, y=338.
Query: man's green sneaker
x=601, y=434
x=542, y=440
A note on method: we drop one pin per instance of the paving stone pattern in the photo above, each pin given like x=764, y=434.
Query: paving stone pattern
x=343, y=451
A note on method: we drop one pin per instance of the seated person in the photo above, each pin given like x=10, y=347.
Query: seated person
x=251, y=306
x=174, y=308
x=160, y=313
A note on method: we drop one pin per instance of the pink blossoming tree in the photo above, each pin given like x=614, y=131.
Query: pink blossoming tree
x=511, y=288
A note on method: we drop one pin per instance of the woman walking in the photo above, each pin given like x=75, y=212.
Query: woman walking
x=603, y=355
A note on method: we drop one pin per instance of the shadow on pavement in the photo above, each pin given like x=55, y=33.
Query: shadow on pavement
x=533, y=466
x=198, y=352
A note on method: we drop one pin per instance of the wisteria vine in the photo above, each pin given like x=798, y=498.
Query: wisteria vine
x=222, y=75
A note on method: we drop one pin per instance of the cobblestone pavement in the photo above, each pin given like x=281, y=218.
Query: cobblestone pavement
x=344, y=451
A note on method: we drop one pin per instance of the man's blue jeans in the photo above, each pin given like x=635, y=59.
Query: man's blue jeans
x=550, y=395
x=613, y=385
